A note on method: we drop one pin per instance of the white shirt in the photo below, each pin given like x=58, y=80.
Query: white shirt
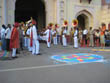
x=2, y=33
x=75, y=33
x=28, y=31
x=54, y=32
x=97, y=34
x=34, y=32
x=85, y=32
x=8, y=33
x=65, y=31
x=47, y=33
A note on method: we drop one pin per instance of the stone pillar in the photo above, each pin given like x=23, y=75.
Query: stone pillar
x=49, y=6
x=4, y=12
x=11, y=11
x=0, y=13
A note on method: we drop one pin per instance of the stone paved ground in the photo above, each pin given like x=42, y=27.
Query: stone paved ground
x=42, y=69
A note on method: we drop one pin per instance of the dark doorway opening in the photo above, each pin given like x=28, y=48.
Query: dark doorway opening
x=30, y=8
x=81, y=21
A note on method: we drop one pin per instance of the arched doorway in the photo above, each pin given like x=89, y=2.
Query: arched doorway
x=85, y=19
x=24, y=9
x=82, y=21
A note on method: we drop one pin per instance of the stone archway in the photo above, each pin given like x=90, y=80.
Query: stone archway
x=82, y=21
x=50, y=11
x=85, y=19
x=24, y=9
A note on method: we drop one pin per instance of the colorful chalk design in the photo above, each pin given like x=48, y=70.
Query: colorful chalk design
x=78, y=58
x=101, y=50
x=3, y=55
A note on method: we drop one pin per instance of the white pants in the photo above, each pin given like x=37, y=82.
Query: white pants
x=29, y=47
x=55, y=40
x=25, y=41
x=13, y=52
x=48, y=43
x=35, y=48
x=75, y=42
x=64, y=41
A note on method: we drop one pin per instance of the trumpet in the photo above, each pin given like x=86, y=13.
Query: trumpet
x=75, y=22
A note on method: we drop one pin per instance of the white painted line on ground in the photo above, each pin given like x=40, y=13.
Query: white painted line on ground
x=39, y=67
x=35, y=67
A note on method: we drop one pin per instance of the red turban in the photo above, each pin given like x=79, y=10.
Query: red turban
x=16, y=24
x=33, y=22
x=56, y=26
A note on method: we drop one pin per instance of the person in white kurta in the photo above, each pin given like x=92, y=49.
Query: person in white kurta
x=7, y=36
x=3, y=41
x=54, y=34
x=85, y=32
x=64, y=40
x=35, y=42
x=75, y=38
x=28, y=38
x=48, y=37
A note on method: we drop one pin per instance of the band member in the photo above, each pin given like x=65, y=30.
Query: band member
x=54, y=34
x=75, y=37
x=14, y=40
x=34, y=42
x=28, y=37
x=25, y=37
x=48, y=36
x=22, y=25
x=64, y=33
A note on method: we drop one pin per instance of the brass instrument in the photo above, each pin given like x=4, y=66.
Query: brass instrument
x=75, y=22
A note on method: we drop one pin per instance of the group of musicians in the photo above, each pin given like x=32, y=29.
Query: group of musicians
x=50, y=34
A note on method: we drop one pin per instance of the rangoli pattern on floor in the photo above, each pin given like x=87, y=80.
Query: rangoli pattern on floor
x=78, y=58
x=101, y=50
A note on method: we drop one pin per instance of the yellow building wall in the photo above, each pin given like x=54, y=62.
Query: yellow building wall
x=74, y=6
x=105, y=14
x=70, y=9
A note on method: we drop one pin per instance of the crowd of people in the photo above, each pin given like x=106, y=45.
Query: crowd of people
x=26, y=35
x=92, y=37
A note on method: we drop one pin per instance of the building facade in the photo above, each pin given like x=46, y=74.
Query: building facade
x=90, y=13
